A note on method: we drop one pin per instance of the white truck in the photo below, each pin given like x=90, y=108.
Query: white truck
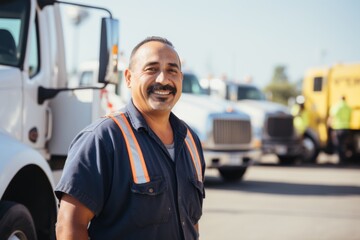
x=273, y=122
x=39, y=114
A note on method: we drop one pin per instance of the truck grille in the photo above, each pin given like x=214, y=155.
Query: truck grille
x=232, y=131
x=280, y=126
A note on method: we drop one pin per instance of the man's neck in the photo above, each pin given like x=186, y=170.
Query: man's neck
x=160, y=125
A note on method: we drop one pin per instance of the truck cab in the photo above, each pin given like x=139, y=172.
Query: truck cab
x=322, y=88
x=35, y=105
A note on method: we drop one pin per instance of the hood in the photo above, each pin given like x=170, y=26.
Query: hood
x=11, y=100
x=265, y=106
x=197, y=110
x=10, y=77
x=259, y=109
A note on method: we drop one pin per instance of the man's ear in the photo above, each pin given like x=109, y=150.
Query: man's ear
x=128, y=77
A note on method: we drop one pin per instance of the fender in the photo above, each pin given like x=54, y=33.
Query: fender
x=16, y=155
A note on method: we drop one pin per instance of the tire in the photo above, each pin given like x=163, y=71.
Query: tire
x=232, y=174
x=310, y=150
x=16, y=222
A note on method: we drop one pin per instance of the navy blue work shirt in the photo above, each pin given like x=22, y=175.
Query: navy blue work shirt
x=98, y=174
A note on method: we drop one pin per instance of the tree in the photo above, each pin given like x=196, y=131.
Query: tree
x=280, y=75
x=280, y=89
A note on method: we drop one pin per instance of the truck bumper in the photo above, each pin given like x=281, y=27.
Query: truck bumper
x=216, y=159
x=291, y=149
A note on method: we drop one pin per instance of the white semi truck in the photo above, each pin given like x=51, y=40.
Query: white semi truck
x=39, y=114
x=272, y=122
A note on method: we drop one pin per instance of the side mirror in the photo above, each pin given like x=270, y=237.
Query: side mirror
x=109, y=46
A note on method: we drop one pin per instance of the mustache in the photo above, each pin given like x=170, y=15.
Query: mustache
x=158, y=86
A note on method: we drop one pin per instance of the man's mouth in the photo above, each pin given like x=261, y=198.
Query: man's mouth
x=161, y=90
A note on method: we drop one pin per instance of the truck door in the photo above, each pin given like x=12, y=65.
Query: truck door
x=315, y=91
x=13, y=35
x=36, y=72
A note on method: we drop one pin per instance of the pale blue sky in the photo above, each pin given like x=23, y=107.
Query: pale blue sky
x=240, y=38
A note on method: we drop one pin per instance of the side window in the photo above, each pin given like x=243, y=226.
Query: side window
x=186, y=86
x=318, y=81
x=34, y=60
x=86, y=78
x=9, y=41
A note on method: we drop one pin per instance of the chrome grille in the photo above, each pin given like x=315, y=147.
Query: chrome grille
x=232, y=131
x=280, y=126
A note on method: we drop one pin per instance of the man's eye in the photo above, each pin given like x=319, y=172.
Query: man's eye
x=173, y=71
x=151, y=69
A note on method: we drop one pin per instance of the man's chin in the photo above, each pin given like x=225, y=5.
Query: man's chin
x=161, y=106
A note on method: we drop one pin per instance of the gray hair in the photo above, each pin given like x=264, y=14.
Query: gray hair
x=146, y=40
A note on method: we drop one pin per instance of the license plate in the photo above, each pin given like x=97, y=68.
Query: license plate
x=235, y=160
x=280, y=149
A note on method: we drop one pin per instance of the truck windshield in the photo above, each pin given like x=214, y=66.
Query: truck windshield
x=13, y=31
x=250, y=93
x=241, y=92
x=192, y=85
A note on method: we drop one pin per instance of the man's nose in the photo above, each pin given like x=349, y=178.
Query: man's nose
x=162, y=77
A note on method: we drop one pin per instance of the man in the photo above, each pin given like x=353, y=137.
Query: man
x=137, y=174
x=339, y=120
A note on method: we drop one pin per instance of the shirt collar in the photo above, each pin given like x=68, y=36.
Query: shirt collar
x=135, y=117
x=138, y=121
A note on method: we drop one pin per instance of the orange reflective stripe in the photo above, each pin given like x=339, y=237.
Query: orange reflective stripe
x=142, y=161
x=190, y=143
x=137, y=162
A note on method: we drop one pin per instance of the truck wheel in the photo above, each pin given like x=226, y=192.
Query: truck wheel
x=232, y=174
x=310, y=150
x=16, y=222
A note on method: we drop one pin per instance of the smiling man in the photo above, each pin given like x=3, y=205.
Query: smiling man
x=155, y=70
x=137, y=174
x=155, y=79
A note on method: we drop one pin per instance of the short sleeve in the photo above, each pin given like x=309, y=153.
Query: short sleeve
x=86, y=173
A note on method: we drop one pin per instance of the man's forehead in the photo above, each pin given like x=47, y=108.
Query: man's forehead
x=156, y=50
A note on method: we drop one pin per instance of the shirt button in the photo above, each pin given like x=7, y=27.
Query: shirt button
x=183, y=223
x=151, y=190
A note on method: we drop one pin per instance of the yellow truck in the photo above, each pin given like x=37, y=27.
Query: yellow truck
x=322, y=87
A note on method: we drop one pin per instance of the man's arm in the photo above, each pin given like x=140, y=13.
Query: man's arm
x=73, y=219
x=197, y=228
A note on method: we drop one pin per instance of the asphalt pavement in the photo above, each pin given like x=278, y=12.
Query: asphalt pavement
x=302, y=202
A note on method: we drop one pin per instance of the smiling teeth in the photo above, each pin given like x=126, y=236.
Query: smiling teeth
x=162, y=92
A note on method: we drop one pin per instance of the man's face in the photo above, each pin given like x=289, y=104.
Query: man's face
x=155, y=77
